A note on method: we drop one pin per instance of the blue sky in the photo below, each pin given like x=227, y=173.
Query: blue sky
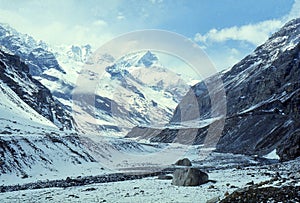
x=226, y=29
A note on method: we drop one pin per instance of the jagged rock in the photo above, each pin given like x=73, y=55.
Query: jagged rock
x=184, y=162
x=189, y=177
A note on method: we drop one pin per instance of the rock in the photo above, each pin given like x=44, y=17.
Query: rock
x=189, y=177
x=183, y=162
x=165, y=177
x=213, y=200
x=250, y=183
x=265, y=194
x=211, y=187
x=295, y=176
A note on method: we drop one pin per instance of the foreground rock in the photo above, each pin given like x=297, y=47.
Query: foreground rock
x=189, y=177
x=266, y=194
x=184, y=162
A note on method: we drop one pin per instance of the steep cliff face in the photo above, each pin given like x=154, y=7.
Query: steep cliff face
x=262, y=100
x=15, y=74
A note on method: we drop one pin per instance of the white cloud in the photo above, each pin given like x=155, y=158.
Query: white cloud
x=100, y=23
x=251, y=33
x=221, y=52
x=58, y=33
x=120, y=16
x=295, y=11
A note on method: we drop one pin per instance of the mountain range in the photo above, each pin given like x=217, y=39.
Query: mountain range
x=38, y=120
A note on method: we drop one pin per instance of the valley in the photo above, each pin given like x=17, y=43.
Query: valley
x=120, y=143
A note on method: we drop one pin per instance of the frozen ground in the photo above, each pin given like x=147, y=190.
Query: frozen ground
x=233, y=172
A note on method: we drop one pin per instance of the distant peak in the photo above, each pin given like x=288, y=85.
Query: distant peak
x=148, y=59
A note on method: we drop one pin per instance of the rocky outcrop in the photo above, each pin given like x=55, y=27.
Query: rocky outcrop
x=16, y=75
x=189, y=177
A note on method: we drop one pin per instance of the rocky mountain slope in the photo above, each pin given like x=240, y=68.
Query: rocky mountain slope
x=29, y=142
x=262, y=95
x=15, y=74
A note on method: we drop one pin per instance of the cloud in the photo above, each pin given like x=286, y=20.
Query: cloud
x=295, y=11
x=229, y=45
x=120, y=16
x=255, y=34
x=252, y=33
x=57, y=32
x=100, y=23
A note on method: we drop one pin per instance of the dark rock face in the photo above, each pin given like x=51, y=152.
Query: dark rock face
x=290, y=148
x=183, y=162
x=262, y=101
x=189, y=177
x=16, y=75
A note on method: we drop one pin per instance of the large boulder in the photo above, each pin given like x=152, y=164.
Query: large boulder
x=183, y=162
x=189, y=177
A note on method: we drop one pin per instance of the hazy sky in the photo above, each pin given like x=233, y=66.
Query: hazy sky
x=226, y=29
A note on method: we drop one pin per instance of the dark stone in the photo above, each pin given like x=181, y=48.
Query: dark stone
x=165, y=177
x=183, y=162
x=189, y=177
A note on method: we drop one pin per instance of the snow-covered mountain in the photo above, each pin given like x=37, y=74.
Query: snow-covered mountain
x=262, y=102
x=137, y=83
x=34, y=54
x=134, y=90
x=32, y=143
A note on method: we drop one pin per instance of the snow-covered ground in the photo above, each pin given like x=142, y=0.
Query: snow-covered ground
x=151, y=189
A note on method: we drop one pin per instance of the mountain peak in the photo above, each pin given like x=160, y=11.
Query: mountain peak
x=148, y=59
